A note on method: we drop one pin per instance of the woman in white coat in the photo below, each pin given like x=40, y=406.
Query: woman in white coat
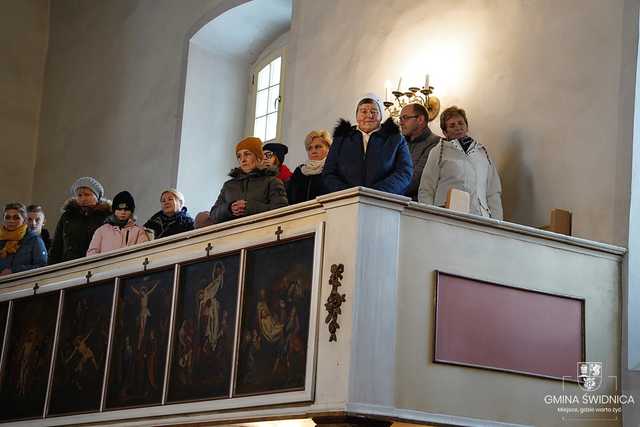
x=460, y=162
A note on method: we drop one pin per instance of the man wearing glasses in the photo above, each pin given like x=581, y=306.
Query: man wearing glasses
x=414, y=124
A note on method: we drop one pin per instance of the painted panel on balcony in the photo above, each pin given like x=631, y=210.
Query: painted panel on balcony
x=137, y=361
x=24, y=378
x=499, y=327
x=202, y=355
x=275, y=318
x=82, y=349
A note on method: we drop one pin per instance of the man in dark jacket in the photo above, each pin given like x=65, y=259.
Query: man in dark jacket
x=414, y=123
x=369, y=154
x=251, y=189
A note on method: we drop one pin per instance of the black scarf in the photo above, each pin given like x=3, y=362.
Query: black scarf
x=465, y=143
x=115, y=221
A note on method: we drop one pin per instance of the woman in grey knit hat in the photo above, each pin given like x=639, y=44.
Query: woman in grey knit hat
x=82, y=214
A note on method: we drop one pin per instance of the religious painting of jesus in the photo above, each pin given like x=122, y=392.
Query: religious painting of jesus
x=26, y=369
x=275, y=318
x=82, y=348
x=204, y=333
x=141, y=332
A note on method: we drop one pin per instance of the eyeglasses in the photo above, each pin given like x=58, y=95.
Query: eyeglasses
x=268, y=154
x=405, y=118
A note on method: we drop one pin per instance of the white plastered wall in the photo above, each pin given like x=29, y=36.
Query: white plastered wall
x=542, y=82
x=212, y=123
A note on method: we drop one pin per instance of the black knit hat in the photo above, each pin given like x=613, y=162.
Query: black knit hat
x=123, y=200
x=280, y=150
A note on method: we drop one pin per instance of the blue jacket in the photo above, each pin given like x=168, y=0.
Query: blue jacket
x=386, y=166
x=31, y=254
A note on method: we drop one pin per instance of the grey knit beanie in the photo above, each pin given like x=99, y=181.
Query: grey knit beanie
x=90, y=183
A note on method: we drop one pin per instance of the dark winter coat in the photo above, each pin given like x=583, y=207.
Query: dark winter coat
x=260, y=188
x=386, y=165
x=75, y=230
x=31, y=254
x=46, y=238
x=163, y=225
x=301, y=187
x=419, y=149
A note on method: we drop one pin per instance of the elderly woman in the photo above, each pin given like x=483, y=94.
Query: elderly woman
x=369, y=154
x=81, y=217
x=252, y=188
x=306, y=182
x=172, y=218
x=460, y=162
x=20, y=248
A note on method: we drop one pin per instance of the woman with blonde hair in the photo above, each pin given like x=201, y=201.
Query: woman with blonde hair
x=306, y=182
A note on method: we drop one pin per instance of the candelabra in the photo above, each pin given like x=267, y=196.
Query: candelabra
x=415, y=95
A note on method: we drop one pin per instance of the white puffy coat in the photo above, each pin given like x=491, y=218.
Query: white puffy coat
x=448, y=166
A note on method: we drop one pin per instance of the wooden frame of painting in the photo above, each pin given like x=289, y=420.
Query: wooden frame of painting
x=275, y=320
x=4, y=315
x=140, y=338
x=25, y=378
x=81, y=351
x=112, y=409
x=5, y=310
x=203, y=341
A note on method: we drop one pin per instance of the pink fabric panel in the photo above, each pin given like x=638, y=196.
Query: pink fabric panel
x=499, y=327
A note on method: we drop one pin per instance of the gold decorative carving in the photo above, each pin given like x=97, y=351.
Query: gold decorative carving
x=334, y=301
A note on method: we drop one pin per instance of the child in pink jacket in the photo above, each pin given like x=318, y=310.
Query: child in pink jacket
x=120, y=229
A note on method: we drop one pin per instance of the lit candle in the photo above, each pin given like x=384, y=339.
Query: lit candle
x=399, y=83
x=387, y=85
x=426, y=81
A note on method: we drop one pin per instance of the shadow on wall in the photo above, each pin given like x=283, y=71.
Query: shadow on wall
x=518, y=197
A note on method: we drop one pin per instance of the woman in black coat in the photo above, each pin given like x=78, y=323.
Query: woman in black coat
x=172, y=218
x=372, y=154
x=81, y=217
x=306, y=182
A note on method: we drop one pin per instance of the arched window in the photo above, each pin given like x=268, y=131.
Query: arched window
x=229, y=57
x=266, y=83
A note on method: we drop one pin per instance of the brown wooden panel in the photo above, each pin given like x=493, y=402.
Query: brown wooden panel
x=500, y=327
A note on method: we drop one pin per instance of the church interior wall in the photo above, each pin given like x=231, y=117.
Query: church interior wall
x=543, y=84
x=546, y=106
x=208, y=132
x=24, y=34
